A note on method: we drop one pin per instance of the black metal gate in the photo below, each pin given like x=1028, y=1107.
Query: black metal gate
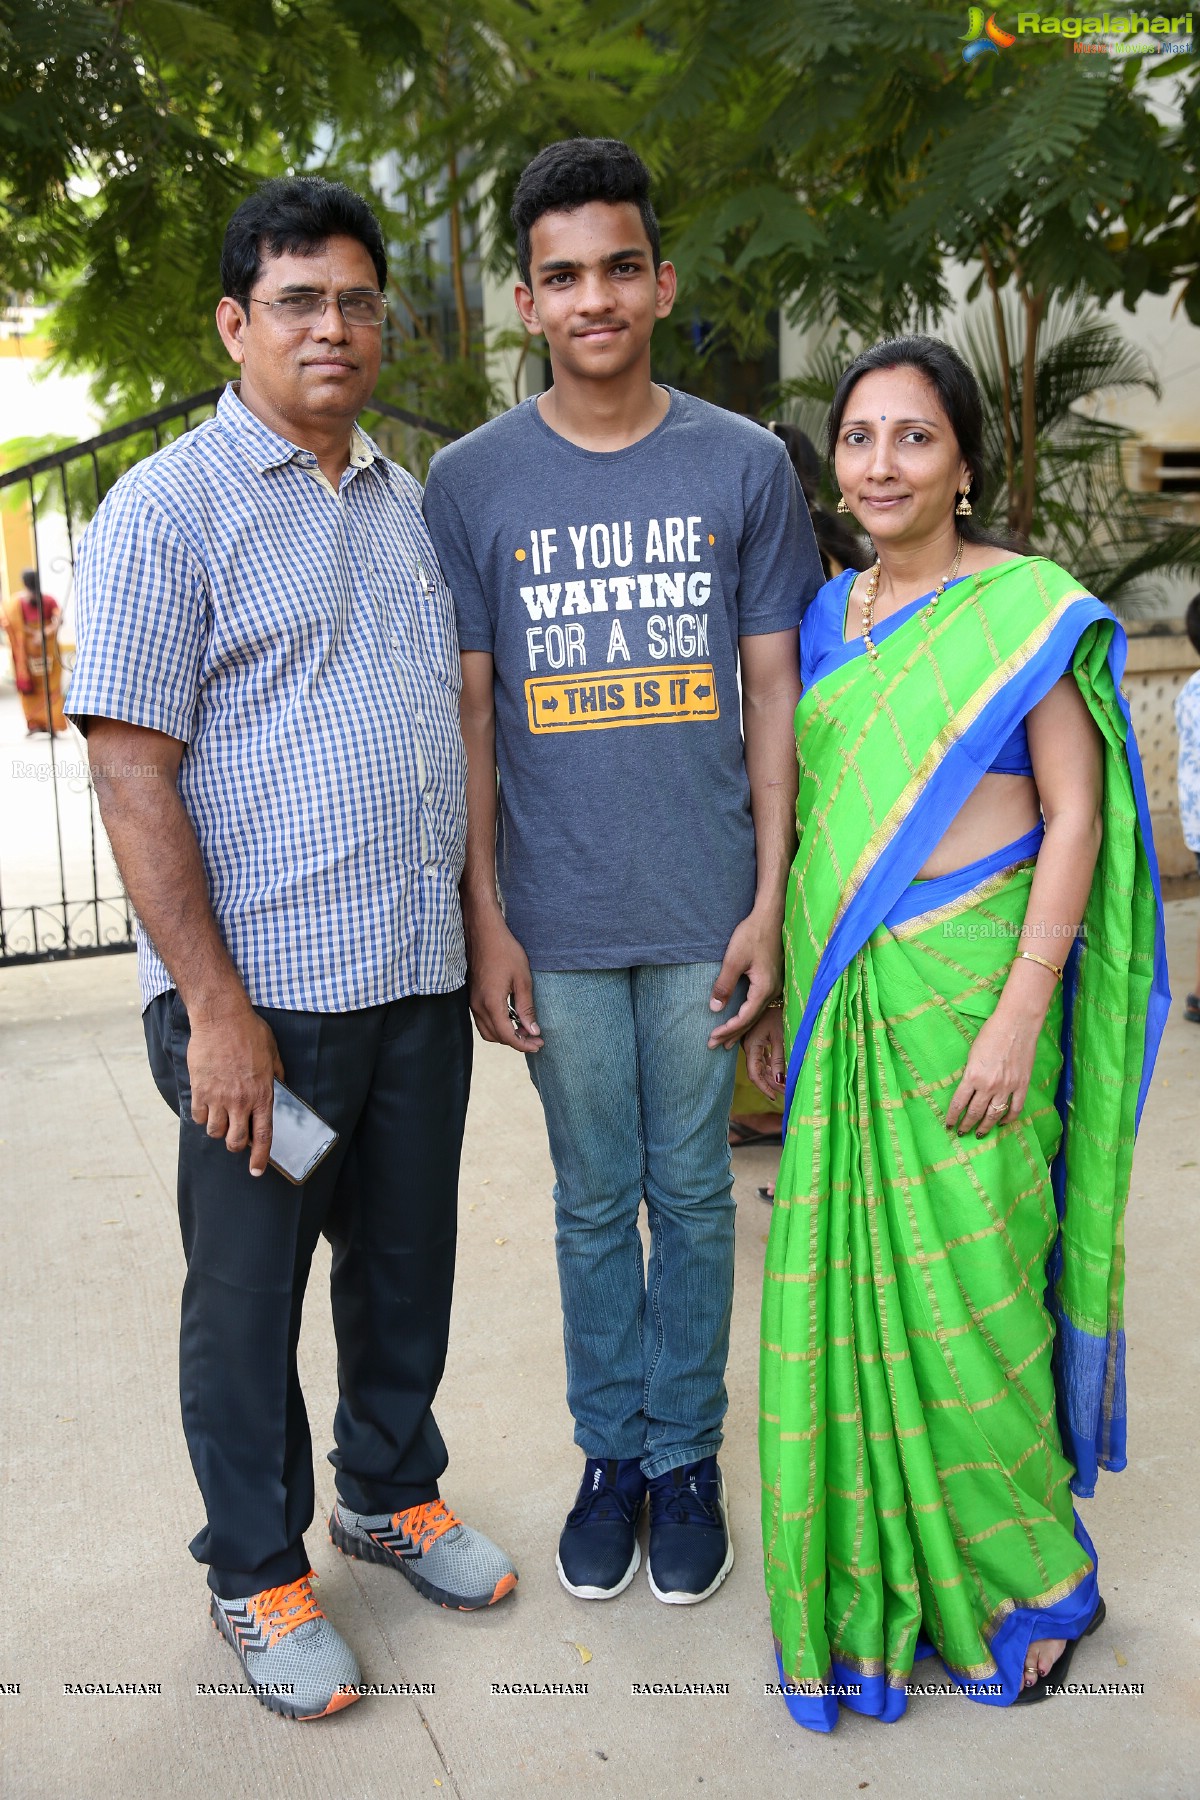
x=68, y=900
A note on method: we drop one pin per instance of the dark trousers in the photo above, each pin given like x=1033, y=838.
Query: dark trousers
x=393, y=1082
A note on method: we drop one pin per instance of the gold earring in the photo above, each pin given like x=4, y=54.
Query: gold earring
x=964, y=508
x=841, y=505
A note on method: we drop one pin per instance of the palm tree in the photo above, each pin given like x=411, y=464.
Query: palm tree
x=1120, y=543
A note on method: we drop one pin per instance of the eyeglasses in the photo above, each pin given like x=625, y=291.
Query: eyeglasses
x=358, y=306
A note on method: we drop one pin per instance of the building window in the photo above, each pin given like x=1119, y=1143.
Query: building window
x=1173, y=472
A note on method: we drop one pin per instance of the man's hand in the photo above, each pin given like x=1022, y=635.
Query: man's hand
x=233, y=1062
x=756, y=951
x=499, y=983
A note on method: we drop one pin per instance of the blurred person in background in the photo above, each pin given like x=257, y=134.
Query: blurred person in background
x=1187, y=721
x=31, y=624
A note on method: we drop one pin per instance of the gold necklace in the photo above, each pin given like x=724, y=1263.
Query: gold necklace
x=867, y=603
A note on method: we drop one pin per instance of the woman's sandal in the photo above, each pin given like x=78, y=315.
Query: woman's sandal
x=1052, y=1682
x=1191, y=1009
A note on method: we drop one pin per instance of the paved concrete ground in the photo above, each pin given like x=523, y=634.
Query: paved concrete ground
x=97, y=1499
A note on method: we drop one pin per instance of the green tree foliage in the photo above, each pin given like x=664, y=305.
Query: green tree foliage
x=128, y=133
x=130, y=129
x=833, y=157
x=848, y=155
x=442, y=134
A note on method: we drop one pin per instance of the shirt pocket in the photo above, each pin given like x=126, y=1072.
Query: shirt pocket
x=420, y=618
x=439, y=633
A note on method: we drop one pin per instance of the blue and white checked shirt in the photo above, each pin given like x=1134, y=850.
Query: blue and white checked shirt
x=302, y=645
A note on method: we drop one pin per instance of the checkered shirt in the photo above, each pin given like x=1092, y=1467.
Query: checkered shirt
x=301, y=644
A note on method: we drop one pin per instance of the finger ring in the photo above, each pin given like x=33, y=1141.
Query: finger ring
x=999, y=1106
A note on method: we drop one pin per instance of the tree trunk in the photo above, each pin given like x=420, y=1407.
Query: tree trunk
x=1006, y=393
x=457, y=276
x=1035, y=306
x=458, y=282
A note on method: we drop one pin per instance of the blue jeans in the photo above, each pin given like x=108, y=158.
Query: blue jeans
x=637, y=1106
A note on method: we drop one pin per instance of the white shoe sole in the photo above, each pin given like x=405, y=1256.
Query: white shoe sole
x=680, y=1599
x=595, y=1593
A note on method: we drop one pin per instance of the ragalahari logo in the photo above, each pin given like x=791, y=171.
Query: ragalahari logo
x=984, y=39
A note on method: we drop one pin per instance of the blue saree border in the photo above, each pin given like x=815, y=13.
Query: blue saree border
x=1159, y=1004
x=878, y=1698
x=942, y=890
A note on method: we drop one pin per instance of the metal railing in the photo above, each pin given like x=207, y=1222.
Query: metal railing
x=90, y=914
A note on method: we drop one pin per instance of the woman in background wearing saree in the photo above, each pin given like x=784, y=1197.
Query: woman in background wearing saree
x=976, y=987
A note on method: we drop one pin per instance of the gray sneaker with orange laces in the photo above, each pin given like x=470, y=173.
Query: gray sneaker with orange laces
x=295, y=1662
x=444, y=1559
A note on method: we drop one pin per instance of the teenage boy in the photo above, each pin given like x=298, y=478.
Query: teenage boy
x=612, y=546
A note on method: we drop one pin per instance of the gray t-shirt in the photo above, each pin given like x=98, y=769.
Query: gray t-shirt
x=611, y=588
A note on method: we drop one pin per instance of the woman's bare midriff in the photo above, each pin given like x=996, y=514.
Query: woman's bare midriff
x=1000, y=809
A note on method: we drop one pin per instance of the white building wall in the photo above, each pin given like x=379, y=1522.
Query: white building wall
x=515, y=376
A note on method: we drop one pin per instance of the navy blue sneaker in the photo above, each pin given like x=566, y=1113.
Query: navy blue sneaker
x=598, y=1551
x=691, y=1551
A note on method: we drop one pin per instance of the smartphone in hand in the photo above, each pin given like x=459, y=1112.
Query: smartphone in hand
x=300, y=1138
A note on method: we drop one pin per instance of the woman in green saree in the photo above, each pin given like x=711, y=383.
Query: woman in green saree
x=976, y=987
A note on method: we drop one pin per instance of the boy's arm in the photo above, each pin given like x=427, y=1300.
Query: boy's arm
x=497, y=967
x=770, y=692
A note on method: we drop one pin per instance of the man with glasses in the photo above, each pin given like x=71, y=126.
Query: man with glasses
x=268, y=678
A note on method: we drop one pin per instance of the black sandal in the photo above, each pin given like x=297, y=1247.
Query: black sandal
x=1191, y=1008
x=1052, y=1683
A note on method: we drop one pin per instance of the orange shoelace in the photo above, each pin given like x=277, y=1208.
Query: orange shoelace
x=279, y=1610
x=426, y=1523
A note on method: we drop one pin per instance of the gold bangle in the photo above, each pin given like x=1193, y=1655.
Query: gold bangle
x=1042, y=963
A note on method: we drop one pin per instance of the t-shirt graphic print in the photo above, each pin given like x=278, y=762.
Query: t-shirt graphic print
x=601, y=578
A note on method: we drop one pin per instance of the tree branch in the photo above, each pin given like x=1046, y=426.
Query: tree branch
x=454, y=213
x=1035, y=306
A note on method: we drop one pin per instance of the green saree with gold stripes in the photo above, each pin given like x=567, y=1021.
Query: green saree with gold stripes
x=942, y=1359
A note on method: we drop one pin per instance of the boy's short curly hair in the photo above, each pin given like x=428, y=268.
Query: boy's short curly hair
x=573, y=172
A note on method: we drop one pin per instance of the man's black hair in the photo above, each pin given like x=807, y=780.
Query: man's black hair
x=1191, y=622
x=573, y=172
x=294, y=215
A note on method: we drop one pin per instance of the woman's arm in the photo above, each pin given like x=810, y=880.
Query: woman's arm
x=1067, y=755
